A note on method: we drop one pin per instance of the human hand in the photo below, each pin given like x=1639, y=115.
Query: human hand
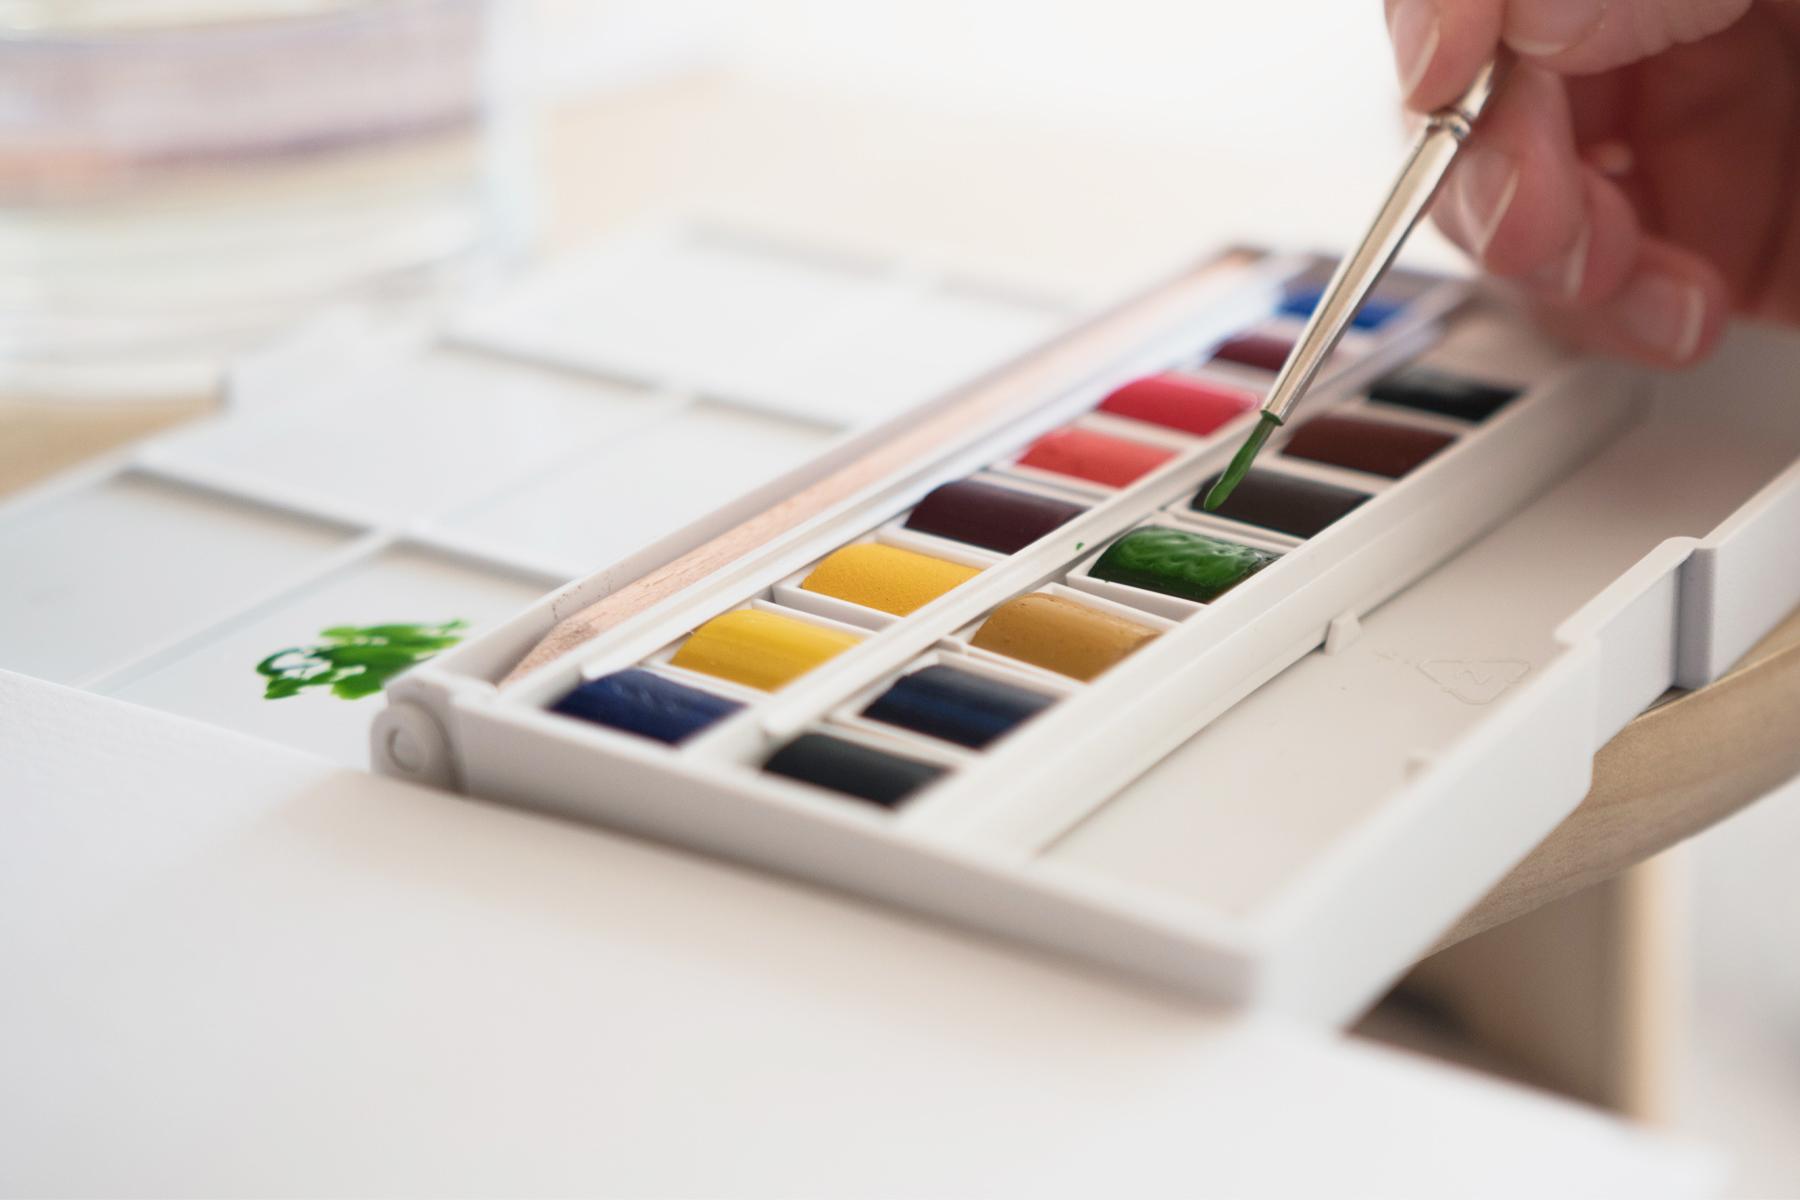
x=1640, y=173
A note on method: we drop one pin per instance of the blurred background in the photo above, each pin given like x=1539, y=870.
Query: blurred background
x=181, y=180
x=180, y=177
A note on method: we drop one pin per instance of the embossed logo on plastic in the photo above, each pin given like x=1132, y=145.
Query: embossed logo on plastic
x=1474, y=681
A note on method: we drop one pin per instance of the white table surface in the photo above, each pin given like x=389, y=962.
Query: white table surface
x=231, y=968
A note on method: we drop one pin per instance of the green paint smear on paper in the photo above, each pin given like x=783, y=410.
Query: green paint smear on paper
x=355, y=661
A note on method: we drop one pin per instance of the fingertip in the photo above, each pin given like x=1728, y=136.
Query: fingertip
x=1515, y=198
x=1666, y=317
x=1580, y=37
x=1413, y=28
x=1669, y=311
x=1675, y=305
x=1439, y=47
x=1602, y=253
x=1546, y=28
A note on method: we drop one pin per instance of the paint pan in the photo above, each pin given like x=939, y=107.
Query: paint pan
x=892, y=566
x=1185, y=402
x=885, y=578
x=853, y=769
x=1179, y=562
x=1427, y=389
x=760, y=649
x=1096, y=457
x=1264, y=351
x=1061, y=635
x=956, y=705
x=1004, y=520
x=1282, y=502
x=1390, y=298
x=1359, y=444
x=642, y=702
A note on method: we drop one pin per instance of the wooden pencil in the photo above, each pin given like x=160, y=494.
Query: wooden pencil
x=1106, y=338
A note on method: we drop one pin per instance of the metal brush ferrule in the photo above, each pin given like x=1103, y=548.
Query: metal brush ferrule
x=1459, y=116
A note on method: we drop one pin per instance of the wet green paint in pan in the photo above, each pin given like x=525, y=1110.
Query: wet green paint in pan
x=355, y=661
x=1177, y=563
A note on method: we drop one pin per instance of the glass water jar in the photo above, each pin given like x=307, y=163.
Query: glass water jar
x=179, y=178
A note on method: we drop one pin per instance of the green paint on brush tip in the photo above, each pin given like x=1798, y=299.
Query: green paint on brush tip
x=1240, y=466
x=355, y=661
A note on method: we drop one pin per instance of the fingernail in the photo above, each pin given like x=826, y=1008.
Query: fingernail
x=1565, y=274
x=1546, y=27
x=1664, y=315
x=1414, y=30
x=1485, y=182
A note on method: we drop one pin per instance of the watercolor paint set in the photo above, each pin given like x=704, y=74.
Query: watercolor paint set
x=366, y=477
x=883, y=659
x=1264, y=755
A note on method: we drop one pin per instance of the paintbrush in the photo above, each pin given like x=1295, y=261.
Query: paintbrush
x=1359, y=271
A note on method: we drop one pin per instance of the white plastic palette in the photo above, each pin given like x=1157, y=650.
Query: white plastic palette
x=361, y=480
x=623, y=494
x=1335, y=795
x=102, y=567
x=414, y=437
x=1611, y=533
x=793, y=329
